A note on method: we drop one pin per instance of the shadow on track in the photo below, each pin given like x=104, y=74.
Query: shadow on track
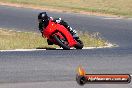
x=47, y=48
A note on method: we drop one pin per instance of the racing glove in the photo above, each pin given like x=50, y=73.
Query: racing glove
x=58, y=20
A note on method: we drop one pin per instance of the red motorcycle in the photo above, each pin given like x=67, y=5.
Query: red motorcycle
x=59, y=35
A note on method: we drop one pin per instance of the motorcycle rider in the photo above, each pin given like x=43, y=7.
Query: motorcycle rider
x=43, y=20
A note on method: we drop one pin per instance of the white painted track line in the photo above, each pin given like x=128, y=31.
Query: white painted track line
x=21, y=50
x=14, y=50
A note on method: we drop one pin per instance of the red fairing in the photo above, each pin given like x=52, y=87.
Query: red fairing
x=57, y=29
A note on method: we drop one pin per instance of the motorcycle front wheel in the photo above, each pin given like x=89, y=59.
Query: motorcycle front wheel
x=60, y=43
x=79, y=45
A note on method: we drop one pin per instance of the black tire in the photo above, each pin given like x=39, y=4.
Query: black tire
x=79, y=45
x=60, y=43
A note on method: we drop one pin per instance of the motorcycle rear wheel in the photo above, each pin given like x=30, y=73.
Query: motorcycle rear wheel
x=60, y=43
x=79, y=45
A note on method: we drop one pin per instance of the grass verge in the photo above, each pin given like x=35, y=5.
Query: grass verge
x=113, y=7
x=28, y=40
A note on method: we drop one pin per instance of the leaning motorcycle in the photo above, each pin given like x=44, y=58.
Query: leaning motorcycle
x=59, y=35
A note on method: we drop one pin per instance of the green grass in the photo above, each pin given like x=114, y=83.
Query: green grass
x=92, y=40
x=114, y=7
x=29, y=40
x=20, y=40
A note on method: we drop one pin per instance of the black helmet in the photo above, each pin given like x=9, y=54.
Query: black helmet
x=43, y=16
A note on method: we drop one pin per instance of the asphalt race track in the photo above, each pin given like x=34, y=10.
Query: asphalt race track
x=57, y=68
